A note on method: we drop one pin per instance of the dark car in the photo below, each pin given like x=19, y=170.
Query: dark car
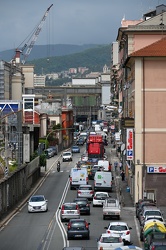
x=54, y=149
x=144, y=204
x=75, y=149
x=80, y=141
x=84, y=205
x=94, y=169
x=78, y=229
x=156, y=241
x=139, y=203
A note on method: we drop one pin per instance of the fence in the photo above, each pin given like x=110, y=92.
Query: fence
x=14, y=188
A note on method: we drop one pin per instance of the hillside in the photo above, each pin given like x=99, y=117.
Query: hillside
x=44, y=51
x=94, y=59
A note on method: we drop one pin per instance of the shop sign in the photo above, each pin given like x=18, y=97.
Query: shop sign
x=129, y=140
x=156, y=169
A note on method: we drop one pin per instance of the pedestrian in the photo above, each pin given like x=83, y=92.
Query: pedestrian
x=115, y=165
x=122, y=175
x=120, y=166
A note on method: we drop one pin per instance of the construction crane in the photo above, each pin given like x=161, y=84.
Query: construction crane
x=32, y=39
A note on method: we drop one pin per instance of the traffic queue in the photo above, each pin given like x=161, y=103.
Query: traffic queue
x=94, y=165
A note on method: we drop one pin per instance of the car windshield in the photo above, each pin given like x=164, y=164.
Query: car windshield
x=36, y=198
x=65, y=154
x=110, y=239
x=101, y=195
x=118, y=227
x=70, y=207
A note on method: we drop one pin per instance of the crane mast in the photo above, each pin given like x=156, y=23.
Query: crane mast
x=34, y=36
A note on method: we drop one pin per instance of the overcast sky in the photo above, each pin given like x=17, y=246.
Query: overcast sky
x=68, y=21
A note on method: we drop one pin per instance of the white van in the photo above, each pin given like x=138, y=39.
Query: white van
x=78, y=176
x=103, y=181
x=105, y=164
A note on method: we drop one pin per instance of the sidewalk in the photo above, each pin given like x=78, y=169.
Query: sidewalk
x=122, y=189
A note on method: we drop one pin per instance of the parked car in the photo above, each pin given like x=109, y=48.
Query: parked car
x=138, y=205
x=75, y=149
x=156, y=241
x=107, y=241
x=99, y=198
x=121, y=228
x=37, y=203
x=148, y=210
x=67, y=156
x=84, y=205
x=49, y=152
x=78, y=229
x=54, y=149
x=85, y=191
x=69, y=210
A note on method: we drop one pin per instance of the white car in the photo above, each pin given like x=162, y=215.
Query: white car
x=119, y=227
x=99, y=198
x=109, y=241
x=67, y=156
x=37, y=203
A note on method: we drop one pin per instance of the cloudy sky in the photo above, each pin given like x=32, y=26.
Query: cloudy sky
x=68, y=21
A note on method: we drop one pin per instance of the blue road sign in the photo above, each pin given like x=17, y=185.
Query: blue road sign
x=129, y=152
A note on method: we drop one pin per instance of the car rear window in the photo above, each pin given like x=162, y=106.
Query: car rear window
x=85, y=188
x=70, y=207
x=110, y=239
x=101, y=195
x=78, y=224
x=152, y=213
x=118, y=227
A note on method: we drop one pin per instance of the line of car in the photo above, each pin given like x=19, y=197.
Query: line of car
x=148, y=214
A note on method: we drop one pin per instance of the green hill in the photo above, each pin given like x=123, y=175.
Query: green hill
x=94, y=59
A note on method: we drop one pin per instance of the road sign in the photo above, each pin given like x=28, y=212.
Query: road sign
x=129, y=154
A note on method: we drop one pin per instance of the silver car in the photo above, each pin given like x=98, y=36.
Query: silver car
x=85, y=191
x=69, y=211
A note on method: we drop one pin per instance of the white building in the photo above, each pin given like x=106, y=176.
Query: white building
x=39, y=81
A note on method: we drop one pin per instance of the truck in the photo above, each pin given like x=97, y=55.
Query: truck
x=95, y=147
x=111, y=208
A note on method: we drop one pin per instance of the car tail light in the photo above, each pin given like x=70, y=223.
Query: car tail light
x=128, y=232
x=86, y=179
x=62, y=209
x=108, y=231
x=94, y=198
x=77, y=207
x=86, y=225
x=87, y=205
x=101, y=248
x=92, y=192
x=79, y=192
x=70, y=179
x=153, y=248
x=69, y=225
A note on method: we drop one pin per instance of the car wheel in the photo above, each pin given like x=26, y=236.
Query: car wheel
x=62, y=220
x=103, y=217
x=88, y=238
x=94, y=205
x=68, y=238
x=89, y=213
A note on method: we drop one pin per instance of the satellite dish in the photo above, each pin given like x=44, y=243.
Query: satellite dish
x=122, y=147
